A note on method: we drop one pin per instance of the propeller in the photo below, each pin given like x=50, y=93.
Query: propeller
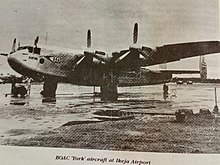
x=135, y=33
x=3, y=54
x=36, y=41
x=135, y=49
x=89, y=39
x=13, y=46
x=132, y=49
x=100, y=55
x=13, y=49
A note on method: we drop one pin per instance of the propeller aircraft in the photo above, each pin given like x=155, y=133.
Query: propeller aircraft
x=97, y=68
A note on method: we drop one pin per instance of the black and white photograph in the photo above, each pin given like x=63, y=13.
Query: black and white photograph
x=118, y=76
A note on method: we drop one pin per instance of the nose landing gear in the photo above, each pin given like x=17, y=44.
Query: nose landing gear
x=49, y=90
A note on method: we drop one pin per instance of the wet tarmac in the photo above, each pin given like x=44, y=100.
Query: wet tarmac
x=23, y=118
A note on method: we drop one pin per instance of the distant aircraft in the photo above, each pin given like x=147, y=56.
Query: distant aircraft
x=96, y=68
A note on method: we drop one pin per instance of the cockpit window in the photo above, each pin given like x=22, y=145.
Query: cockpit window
x=22, y=47
x=30, y=49
x=37, y=50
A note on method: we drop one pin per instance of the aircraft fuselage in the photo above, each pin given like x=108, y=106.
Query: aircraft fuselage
x=72, y=66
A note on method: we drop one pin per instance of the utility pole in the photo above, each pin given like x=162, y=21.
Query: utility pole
x=215, y=110
x=46, y=38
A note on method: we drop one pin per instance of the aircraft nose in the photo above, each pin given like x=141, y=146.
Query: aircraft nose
x=15, y=64
x=12, y=59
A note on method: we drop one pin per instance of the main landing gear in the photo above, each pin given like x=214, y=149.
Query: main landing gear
x=109, y=91
x=49, y=90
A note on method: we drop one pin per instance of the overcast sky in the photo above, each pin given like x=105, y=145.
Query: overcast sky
x=111, y=21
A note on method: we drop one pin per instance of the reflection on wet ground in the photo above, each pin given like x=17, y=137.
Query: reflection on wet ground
x=24, y=117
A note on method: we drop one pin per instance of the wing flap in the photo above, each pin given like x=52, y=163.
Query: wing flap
x=181, y=71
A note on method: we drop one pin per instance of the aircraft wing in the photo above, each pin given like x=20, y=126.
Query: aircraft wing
x=136, y=56
x=172, y=71
x=175, y=52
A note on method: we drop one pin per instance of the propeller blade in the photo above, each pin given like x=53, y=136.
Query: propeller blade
x=89, y=39
x=124, y=51
x=121, y=57
x=13, y=46
x=3, y=54
x=78, y=62
x=135, y=34
x=96, y=54
x=36, y=41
